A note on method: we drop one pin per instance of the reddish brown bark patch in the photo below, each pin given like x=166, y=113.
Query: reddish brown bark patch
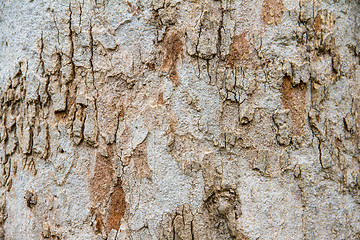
x=173, y=47
x=117, y=206
x=321, y=20
x=100, y=184
x=294, y=98
x=240, y=50
x=105, y=195
x=160, y=98
x=272, y=11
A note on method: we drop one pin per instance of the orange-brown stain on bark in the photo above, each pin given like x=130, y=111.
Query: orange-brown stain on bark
x=294, y=98
x=240, y=50
x=321, y=20
x=160, y=98
x=106, y=194
x=173, y=47
x=116, y=209
x=101, y=182
x=272, y=11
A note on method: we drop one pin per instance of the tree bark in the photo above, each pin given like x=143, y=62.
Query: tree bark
x=172, y=119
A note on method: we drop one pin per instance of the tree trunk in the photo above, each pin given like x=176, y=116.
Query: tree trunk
x=180, y=119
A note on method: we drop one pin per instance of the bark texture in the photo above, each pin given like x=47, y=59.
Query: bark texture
x=179, y=119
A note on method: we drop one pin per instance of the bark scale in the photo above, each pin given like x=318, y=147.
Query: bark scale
x=172, y=119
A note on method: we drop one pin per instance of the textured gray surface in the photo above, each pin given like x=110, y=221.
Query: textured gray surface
x=180, y=119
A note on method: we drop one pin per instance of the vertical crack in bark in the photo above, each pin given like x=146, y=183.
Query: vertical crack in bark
x=71, y=53
x=199, y=33
x=221, y=27
x=91, y=60
x=41, y=64
x=58, y=31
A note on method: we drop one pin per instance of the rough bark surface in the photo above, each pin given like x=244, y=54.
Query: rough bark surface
x=180, y=119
